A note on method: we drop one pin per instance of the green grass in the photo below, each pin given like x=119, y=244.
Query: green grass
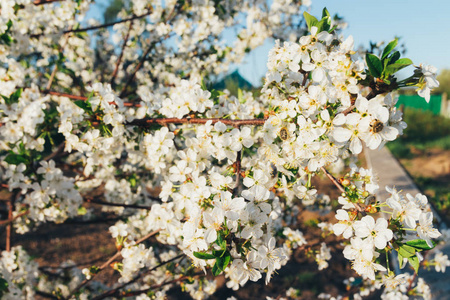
x=425, y=131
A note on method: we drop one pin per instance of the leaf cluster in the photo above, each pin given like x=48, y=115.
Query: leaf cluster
x=388, y=64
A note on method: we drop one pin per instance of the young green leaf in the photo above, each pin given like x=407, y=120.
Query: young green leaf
x=406, y=251
x=3, y=286
x=215, y=270
x=325, y=13
x=310, y=20
x=414, y=261
x=222, y=262
x=374, y=64
x=400, y=260
x=420, y=244
x=203, y=255
x=16, y=159
x=388, y=49
x=398, y=65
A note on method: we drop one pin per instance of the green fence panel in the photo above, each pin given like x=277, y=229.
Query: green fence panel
x=418, y=102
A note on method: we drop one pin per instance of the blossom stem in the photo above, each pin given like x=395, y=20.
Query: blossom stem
x=340, y=187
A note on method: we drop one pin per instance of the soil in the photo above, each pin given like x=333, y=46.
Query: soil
x=434, y=163
x=430, y=170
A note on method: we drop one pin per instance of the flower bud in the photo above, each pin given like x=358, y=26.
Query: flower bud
x=345, y=182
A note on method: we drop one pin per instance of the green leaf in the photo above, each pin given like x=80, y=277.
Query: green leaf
x=323, y=25
x=221, y=242
x=82, y=211
x=203, y=255
x=374, y=64
x=414, y=261
x=222, y=262
x=398, y=65
x=388, y=49
x=218, y=253
x=325, y=13
x=406, y=251
x=215, y=270
x=420, y=244
x=310, y=20
x=16, y=159
x=85, y=105
x=241, y=96
x=5, y=37
x=400, y=260
x=394, y=57
x=3, y=286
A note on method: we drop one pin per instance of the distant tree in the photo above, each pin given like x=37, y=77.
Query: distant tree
x=444, y=82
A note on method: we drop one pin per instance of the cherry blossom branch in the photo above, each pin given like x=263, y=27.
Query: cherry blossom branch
x=10, y=220
x=12, y=199
x=125, y=40
x=117, y=204
x=340, y=187
x=134, y=17
x=237, y=168
x=155, y=286
x=108, y=262
x=116, y=290
x=151, y=46
x=55, y=153
x=55, y=68
x=138, y=67
x=165, y=121
x=83, y=98
x=40, y=2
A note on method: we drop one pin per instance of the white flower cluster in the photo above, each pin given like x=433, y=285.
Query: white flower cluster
x=368, y=237
x=220, y=192
x=20, y=273
x=311, y=85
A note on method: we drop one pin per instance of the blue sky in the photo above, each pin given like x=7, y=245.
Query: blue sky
x=424, y=28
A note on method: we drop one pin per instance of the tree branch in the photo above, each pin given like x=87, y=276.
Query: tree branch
x=116, y=290
x=40, y=2
x=340, y=187
x=125, y=40
x=108, y=262
x=164, y=121
x=134, y=17
x=117, y=204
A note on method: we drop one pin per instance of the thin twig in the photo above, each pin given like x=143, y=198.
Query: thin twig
x=155, y=286
x=150, y=48
x=125, y=40
x=83, y=98
x=134, y=17
x=138, y=67
x=40, y=2
x=108, y=262
x=10, y=220
x=55, y=68
x=9, y=227
x=340, y=187
x=237, y=168
x=117, y=204
x=117, y=289
x=55, y=153
x=164, y=121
